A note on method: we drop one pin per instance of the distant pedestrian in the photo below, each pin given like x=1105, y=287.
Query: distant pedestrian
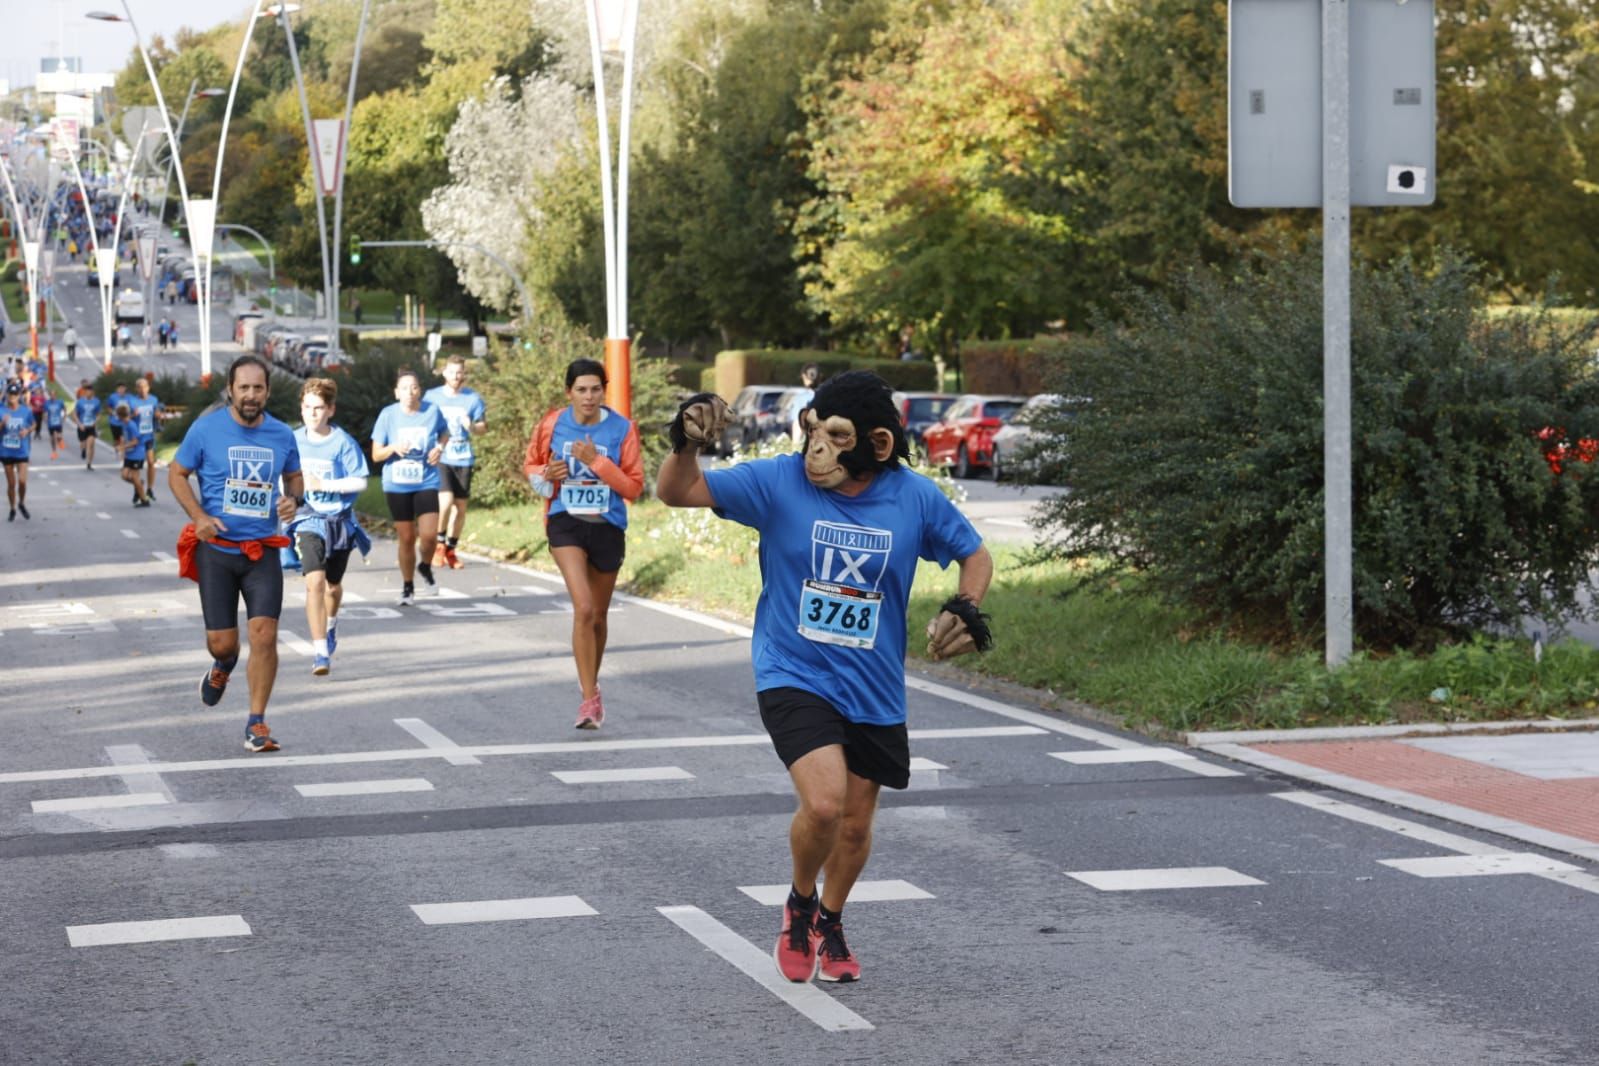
x=70, y=339
x=163, y=331
x=172, y=332
x=355, y=306
x=124, y=336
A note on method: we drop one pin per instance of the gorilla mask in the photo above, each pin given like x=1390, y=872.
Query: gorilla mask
x=852, y=430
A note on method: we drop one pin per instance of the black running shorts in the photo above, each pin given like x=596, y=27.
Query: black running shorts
x=133, y=464
x=799, y=722
x=603, y=543
x=456, y=480
x=409, y=506
x=225, y=575
x=314, y=556
x=116, y=431
x=14, y=462
x=84, y=433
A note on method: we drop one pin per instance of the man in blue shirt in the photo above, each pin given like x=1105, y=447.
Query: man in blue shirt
x=85, y=413
x=54, y=417
x=464, y=413
x=239, y=453
x=16, y=442
x=147, y=414
x=842, y=526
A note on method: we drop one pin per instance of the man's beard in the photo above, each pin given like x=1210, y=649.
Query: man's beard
x=248, y=410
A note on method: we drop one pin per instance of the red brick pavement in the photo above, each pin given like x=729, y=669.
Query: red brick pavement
x=1569, y=806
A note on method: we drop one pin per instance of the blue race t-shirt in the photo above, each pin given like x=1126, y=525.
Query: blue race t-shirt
x=415, y=434
x=134, y=452
x=583, y=494
x=16, y=432
x=461, y=412
x=836, y=575
x=86, y=409
x=238, y=469
x=144, y=411
x=54, y=412
x=335, y=456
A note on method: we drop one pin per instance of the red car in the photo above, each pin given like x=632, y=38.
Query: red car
x=964, y=438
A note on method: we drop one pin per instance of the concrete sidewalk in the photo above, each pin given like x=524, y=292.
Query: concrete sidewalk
x=1536, y=782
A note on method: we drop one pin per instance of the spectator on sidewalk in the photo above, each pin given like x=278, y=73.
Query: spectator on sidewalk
x=70, y=339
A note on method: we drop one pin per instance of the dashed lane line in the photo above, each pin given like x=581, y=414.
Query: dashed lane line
x=633, y=773
x=130, y=534
x=365, y=788
x=891, y=891
x=98, y=803
x=88, y=936
x=810, y=1001
x=502, y=910
x=1177, y=877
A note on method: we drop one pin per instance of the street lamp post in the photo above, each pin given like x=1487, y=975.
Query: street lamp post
x=282, y=13
x=613, y=24
x=195, y=92
x=338, y=178
x=30, y=255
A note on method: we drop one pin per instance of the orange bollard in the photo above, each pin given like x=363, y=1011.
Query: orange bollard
x=619, y=374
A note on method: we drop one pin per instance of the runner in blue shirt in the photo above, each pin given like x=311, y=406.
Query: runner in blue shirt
x=118, y=397
x=148, y=413
x=464, y=412
x=130, y=446
x=85, y=413
x=238, y=454
x=16, y=443
x=325, y=530
x=54, y=415
x=842, y=527
x=408, y=440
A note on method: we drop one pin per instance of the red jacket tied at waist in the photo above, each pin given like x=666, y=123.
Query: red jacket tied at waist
x=189, y=543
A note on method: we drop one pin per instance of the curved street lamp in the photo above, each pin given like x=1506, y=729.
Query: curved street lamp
x=613, y=25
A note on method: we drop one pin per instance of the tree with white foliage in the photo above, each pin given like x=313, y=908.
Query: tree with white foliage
x=501, y=144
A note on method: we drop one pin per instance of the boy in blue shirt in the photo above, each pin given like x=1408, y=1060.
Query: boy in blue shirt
x=54, y=415
x=842, y=526
x=325, y=530
x=464, y=412
x=85, y=413
x=130, y=446
x=239, y=454
x=148, y=412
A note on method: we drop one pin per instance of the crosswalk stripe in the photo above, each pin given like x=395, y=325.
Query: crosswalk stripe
x=502, y=910
x=88, y=936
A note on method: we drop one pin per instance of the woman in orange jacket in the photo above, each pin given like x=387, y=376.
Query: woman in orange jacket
x=585, y=460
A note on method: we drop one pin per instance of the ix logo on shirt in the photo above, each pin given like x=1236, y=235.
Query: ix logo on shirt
x=248, y=463
x=849, y=555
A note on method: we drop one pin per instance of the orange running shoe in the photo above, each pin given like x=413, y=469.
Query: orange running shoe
x=449, y=557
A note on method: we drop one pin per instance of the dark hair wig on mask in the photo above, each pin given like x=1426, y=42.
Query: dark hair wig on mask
x=867, y=401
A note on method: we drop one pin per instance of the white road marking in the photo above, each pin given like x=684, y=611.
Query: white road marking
x=134, y=755
x=861, y=892
x=189, y=851
x=102, y=514
x=98, y=803
x=1115, y=755
x=436, y=741
x=481, y=750
x=52, y=610
x=130, y=534
x=502, y=910
x=919, y=763
x=88, y=936
x=294, y=643
x=809, y=1000
x=636, y=773
x=1514, y=862
x=168, y=557
x=1171, y=877
x=1578, y=879
x=1014, y=523
x=366, y=788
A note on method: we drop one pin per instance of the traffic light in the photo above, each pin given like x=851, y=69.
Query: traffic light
x=355, y=250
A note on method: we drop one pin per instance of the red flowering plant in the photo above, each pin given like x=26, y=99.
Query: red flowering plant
x=1559, y=451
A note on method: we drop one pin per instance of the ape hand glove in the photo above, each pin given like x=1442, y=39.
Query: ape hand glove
x=959, y=628
x=700, y=421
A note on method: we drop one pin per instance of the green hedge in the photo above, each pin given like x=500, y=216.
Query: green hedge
x=779, y=366
x=1195, y=451
x=1020, y=366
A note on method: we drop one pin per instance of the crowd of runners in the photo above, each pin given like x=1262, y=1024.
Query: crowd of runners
x=842, y=523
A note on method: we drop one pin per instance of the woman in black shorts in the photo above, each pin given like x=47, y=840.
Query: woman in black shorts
x=408, y=439
x=585, y=460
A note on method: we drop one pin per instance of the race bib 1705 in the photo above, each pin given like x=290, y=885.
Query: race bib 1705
x=586, y=497
x=838, y=614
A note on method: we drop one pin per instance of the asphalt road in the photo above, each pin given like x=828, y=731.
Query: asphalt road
x=335, y=901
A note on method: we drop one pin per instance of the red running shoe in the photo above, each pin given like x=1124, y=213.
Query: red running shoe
x=795, y=953
x=835, y=961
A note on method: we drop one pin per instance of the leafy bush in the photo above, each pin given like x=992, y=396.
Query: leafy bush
x=1195, y=450
x=1020, y=366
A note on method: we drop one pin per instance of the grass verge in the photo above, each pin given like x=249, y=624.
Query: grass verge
x=1112, y=645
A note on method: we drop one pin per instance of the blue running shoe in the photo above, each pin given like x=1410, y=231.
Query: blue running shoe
x=212, y=686
x=333, y=640
x=257, y=737
x=321, y=665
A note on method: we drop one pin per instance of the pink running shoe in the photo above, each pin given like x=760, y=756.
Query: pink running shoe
x=591, y=712
x=795, y=953
x=835, y=961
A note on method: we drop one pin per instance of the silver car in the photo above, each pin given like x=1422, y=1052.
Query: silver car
x=1014, y=436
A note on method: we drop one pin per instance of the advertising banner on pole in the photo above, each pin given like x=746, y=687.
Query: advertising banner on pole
x=30, y=255
x=330, y=153
x=202, y=226
x=105, y=264
x=146, y=249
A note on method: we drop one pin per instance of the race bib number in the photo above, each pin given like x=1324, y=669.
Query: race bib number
x=407, y=471
x=839, y=614
x=586, y=497
x=146, y=421
x=247, y=499
x=12, y=439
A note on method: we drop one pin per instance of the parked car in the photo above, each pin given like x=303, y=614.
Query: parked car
x=130, y=306
x=783, y=419
x=743, y=427
x=918, y=410
x=1014, y=436
x=963, y=439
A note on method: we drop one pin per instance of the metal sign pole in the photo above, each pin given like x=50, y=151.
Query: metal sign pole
x=1339, y=516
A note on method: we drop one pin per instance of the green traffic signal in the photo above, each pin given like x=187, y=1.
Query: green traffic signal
x=355, y=250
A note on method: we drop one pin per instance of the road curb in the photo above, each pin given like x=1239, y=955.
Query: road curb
x=1389, y=732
